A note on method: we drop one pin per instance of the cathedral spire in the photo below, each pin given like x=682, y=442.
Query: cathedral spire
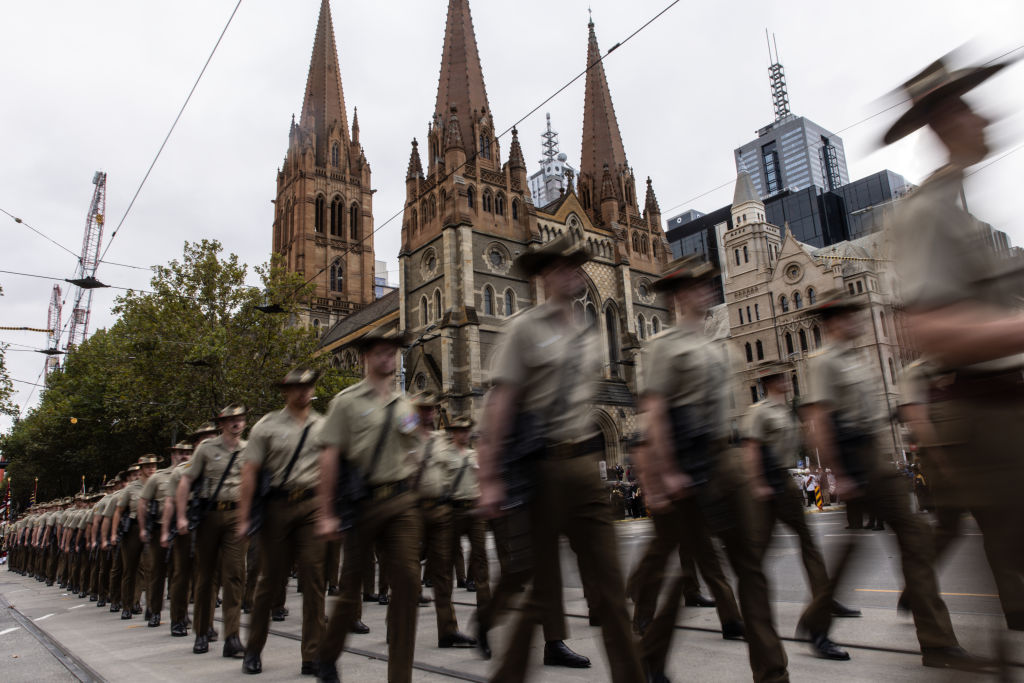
x=515, y=153
x=461, y=84
x=650, y=201
x=602, y=141
x=323, y=106
x=355, y=125
x=415, y=166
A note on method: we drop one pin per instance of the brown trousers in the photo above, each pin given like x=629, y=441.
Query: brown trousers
x=396, y=526
x=570, y=499
x=437, y=542
x=116, y=571
x=218, y=547
x=157, y=571
x=289, y=534
x=181, y=577
x=131, y=554
x=465, y=523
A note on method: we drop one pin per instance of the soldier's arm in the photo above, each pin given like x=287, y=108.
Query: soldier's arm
x=181, y=502
x=499, y=410
x=821, y=437
x=248, y=487
x=105, y=538
x=114, y=524
x=97, y=524
x=328, y=460
x=165, y=520
x=142, y=512
x=967, y=333
x=663, y=481
x=755, y=469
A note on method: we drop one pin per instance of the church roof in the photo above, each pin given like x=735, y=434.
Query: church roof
x=602, y=140
x=324, y=103
x=461, y=83
x=745, y=191
x=367, y=317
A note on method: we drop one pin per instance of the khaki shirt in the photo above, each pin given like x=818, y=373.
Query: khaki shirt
x=82, y=518
x=915, y=384
x=209, y=461
x=175, y=478
x=687, y=368
x=353, y=425
x=130, y=498
x=944, y=256
x=436, y=466
x=113, y=503
x=467, y=485
x=774, y=425
x=156, y=488
x=840, y=379
x=97, y=508
x=272, y=444
x=555, y=366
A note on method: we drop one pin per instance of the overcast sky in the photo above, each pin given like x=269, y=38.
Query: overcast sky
x=94, y=85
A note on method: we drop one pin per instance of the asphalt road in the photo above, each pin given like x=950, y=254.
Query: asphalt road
x=69, y=639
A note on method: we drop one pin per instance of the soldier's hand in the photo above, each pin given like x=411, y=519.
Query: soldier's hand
x=105, y=545
x=327, y=527
x=243, y=528
x=182, y=525
x=676, y=484
x=143, y=536
x=165, y=540
x=492, y=495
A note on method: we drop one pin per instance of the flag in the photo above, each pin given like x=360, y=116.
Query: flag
x=83, y=483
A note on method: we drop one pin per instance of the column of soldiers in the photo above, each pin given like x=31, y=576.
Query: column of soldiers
x=376, y=477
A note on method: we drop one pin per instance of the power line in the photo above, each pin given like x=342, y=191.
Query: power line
x=38, y=232
x=47, y=277
x=173, y=125
x=998, y=158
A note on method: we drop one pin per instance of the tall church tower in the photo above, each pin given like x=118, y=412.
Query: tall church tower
x=466, y=219
x=323, y=219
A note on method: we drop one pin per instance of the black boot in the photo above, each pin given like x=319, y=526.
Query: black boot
x=278, y=615
x=557, y=653
x=733, y=630
x=456, y=639
x=309, y=668
x=211, y=635
x=202, y=645
x=482, y=642
x=233, y=646
x=842, y=611
x=251, y=664
x=359, y=627
x=137, y=609
x=179, y=630
x=699, y=600
x=826, y=649
x=126, y=614
x=154, y=620
x=328, y=673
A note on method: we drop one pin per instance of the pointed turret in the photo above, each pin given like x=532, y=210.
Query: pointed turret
x=415, y=166
x=461, y=84
x=323, y=106
x=355, y=126
x=652, y=212
x=609, y=200
x=602, y=141
x=747, y=207
x=453, y=133
x=515, y=153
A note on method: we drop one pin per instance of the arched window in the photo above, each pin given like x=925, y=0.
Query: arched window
x=485, y=144
x=470, y=197
x=816, y=333
x=749, y=351
x=741, y=316
x=737, y=253
x=760, y=350
x=798, y=301
x=414, y=221
x=636, y=242
x=892, y=371
x=337, y=217
x=443, y=200
x=655, y=325
x=353, y=222
x=318, y=214
x=641, y=326
x=337, y=280
x=746, y=257
x=789, y=344
x=644, y=244
x=757, y=311
x=510, y=302
x=881, y=319
x=437, y=304
x=433, y=207
x=851, y=288
x=812, y=297
x=611, y=331
x=424, y=211
x=316, y=328
x=424, y=311
x=515, y=209
x=486, y=204
x=488, y=300
x=335, y=155
x=803, y=341
x=784, y=303
x=499, y=204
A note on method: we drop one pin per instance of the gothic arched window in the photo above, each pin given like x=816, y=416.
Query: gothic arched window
x=499, y=204
x=655, y=325
x=892, y=371
x=437, y=304
x=413, y=221
x=486, y=203
x=803, y=341
x=760, y=350
x=470, y=197
x=611, y=329
x=798, y=301
x=353, y=221
x=515, y=209
x=335, y=155
x=488, y=300
x=318, y=213
x=337, y=216
x=433, y=207
x=784, y=303
x=789, y=344
x=749, y=351
x=424, y=311
x=510, y=302
x=485, y=144
x=337, y=281
x=816, y=333
x=746, y=258
x=812, y=297
x=641, y=326
x=636, y=242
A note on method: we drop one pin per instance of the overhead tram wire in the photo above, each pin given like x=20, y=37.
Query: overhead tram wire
x=473, y=157
x=170, y=131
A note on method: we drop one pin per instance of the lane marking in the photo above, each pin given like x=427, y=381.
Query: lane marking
x=959, y=595
x=76, y=607
x=9, y=630
x=45, y=616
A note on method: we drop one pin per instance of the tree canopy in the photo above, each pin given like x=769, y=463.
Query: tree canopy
x=174, y=357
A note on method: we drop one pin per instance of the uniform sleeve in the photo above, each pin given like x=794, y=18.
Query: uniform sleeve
x=913, y=386
x=658, y=375
x=822, y=380
x=930, y=257
x=256, y=449
x=333, y=429
x=197, y=463
x=150, y=488
x=752, y=427
x=509, y=365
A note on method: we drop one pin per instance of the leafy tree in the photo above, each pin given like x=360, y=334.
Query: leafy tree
x=7, y=406
x=174, y=357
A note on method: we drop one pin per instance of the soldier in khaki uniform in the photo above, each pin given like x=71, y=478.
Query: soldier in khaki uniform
x=101, y=564
x=771, y=439
x=844, y=418
x=548, y=365
x=962, y=301
x=131, y=539
x=433, y=481
x=150, y=514
x=371, y=427
x=216, y=465
x=282, y=446
x=112, y=539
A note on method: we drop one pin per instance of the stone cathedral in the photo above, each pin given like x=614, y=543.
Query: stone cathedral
x=469, y=214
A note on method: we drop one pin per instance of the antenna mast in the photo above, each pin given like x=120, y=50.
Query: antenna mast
x=550, y=143
x=88, y=261
x=777, y=76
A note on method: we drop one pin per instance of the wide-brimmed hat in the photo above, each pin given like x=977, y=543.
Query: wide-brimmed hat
x=205, y=428
x=381, y=335
x=231, y=410
x=121, y=476
x=149, y=459
x=837, y=302
x=299, y=377
x=461, y=422
x=134, y=467
x=182, y=446
x=684, y=272
x=110, y=483
x=773, y=368
x=563, y=249
x=933, y=86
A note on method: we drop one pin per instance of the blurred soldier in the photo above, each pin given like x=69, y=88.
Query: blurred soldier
x=131, y=534
x=844, y=418
x=686, y=379
x=282, y=452
x=433, y=483
x=546, y=367
x=113, y=540
x=95, y=541
x=771, y=438
x=217, y=468
x=369, y=435
x=964, y=313
x=151, y=525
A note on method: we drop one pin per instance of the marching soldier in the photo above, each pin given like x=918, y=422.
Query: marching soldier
x=548, y=364
x=180, y=544
x=131, y=534
x=282, y=449
x=217, y=467
x=683, y=399
x=771, y=436
x=101, y=560
x=370, y=429
x=432, y=482
x=150, y=514
x=108, y=540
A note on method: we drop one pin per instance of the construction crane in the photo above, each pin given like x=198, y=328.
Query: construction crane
x=53, y=332
x=85, y=279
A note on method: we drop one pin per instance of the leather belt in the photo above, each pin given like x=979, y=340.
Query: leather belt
x=390, y=490
x=571, y=449
x=222, y=505
x=292, y=496
x=993, y=387
x=463, y=504
x=430, y=503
